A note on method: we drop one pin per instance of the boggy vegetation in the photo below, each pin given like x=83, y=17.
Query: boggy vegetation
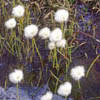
x=27, y=24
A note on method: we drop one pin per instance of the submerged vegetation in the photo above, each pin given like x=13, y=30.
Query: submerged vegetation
x=45, y=37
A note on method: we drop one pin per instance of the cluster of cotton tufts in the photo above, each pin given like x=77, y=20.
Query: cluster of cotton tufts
x=61, y=43
x=30, y=31
x=16, y=76
x=47, y=96
x=77, y=72
x=44, y=33
x=56, y=39
x=61, y=15
x=18, y=11
x=11, y=23
x=65, y=89
x=56, y=35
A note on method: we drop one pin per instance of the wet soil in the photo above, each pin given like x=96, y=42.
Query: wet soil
x=83, y=55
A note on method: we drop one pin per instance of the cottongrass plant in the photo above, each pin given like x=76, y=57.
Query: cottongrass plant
x=47, y=96
x=51, y=45
x=30, y=31
x=61, y=15
x=10, y=23
x=18, y=11
x=13, y=42
x=44, y=33
x=56, y=41
x=61, y=43
x=56, y=35
x=65, y=89
x=77, y=73
x=16, y=77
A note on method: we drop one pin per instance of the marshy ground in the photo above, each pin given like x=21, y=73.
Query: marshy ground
x=83, y=45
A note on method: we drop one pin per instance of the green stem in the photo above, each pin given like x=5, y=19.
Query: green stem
x=33, y=46
x=87, y=74
x=11, y=41
x=56, y=86
x=55, y=76
x=3, y=7
x=79, y=85
x=62, y=28
x=13, y=3
x=5, y=84
x=94, y=98
x=56, y=59
x=38, y=53
x=17, y=92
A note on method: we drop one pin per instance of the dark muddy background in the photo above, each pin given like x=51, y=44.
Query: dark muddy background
x=88, y=36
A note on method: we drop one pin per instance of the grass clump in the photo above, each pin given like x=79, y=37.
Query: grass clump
x=46, y=22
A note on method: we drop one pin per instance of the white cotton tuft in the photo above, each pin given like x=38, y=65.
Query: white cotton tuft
x=56, y=35
x=61, y=43
x=77, y=72
x=51, y=45
x=18, y=11
x=61, y=15
x=16, y=76
x=65, y=89
x=44, y=33
x=30, y=31
x=47, y=96
x=11, y=23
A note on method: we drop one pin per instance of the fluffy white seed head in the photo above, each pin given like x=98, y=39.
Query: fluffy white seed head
x=11, y=23
x=61, y=43
x=18, y=11
x=16, y=76
x=51, y=45
x=30, y=31
x=61, y=15
x=47, y=96
x=65, y=89
x=77, y=72
x=44, y=33
x=56, y=35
